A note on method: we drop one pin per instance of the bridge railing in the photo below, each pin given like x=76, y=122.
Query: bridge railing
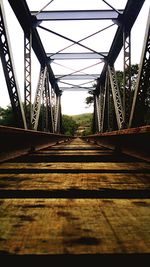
x=15, y=142
x=134, y=141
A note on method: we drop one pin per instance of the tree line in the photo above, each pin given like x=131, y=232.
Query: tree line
x=69, y=125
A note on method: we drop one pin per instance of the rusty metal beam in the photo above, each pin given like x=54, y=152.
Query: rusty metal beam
x=133, y=141
x=15, y=142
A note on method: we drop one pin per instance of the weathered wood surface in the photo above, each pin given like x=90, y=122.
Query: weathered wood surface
x=74, y=198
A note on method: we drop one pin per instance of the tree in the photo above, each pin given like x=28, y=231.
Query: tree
x=134, y=71
x=7, y=117
x=69, y=125
x=89, y=100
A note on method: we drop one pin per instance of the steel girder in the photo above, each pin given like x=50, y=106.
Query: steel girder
x=28, y=24
x=116, y=98
x=72, y=56
x=9, y=72
x=102, y=104
x=38, y=98
x=110, y=111
x=126, y=21
x=57, y=115
x=76, y=88
x=121, y=39
x=77, y=77
x=95, y=118
x=127, y=76
x=99, y=106
x=27, y=79
x=97, y=112
x=47, y=118
x=76, y=15
x=142, y=90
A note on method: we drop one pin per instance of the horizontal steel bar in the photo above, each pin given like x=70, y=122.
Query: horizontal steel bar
x=76, y=15
x=76, y=88
x=67, y=56
x=78, y=77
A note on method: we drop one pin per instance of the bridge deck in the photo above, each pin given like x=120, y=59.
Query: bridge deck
x=74, y=198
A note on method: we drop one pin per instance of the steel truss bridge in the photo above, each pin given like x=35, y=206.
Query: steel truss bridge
x=119, y=123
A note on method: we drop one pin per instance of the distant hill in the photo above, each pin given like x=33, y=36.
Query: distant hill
x=84, y=122
x=83, y=119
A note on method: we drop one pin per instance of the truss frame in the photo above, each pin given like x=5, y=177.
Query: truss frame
x=38, y=98
x=27, y=79
x=116, y=98
x=143, y=81
x=9, y=71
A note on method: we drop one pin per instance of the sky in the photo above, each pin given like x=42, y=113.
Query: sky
x=73, y=102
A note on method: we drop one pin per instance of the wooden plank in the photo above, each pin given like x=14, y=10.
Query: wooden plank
x=82, y=222
x=78, y=181
x=72, y=152
x=99, y=166
x=69, y=226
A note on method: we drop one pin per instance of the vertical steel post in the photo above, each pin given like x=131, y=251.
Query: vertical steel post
x=97, y=103
x=57, y=114
x=27, y=79
x=142, y=90
x=116, y=98
x=38, y=98
x=53, y=103
x=94, y=115
x=47, y=107
x=127, y=75
x=103, y=103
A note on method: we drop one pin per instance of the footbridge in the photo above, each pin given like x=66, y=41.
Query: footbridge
x=62, y=194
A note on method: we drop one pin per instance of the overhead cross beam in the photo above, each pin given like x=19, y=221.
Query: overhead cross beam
x=76, y=15
x=72, y=56
x=76, y=88
x=77, y=77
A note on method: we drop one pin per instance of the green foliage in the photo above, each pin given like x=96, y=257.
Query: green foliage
x=87, y=131
x=69, y=125
x=134, y=71
x=84, y=122
x=83, y=119
x=89, y=100
x=7, y=117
